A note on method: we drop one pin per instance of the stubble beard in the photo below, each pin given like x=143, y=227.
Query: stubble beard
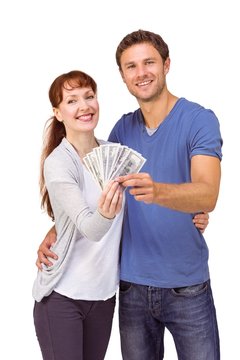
x=156, y=94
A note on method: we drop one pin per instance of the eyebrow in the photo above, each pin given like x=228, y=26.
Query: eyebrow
x=146, y=59
x=71, y=95
x=89, y=91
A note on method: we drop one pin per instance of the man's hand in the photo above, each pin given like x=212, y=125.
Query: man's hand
x=141, y=186
x=44, y=251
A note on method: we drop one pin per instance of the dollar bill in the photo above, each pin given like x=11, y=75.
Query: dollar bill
x=109, y=161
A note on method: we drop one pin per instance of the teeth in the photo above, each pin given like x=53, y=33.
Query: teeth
x=144, y=83
x=84, y=117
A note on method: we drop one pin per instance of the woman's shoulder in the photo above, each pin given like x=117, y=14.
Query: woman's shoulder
x=63, y=158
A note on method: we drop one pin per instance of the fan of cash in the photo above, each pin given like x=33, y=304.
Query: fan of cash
x=108, y=161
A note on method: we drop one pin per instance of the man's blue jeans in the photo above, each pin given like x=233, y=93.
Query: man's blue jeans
x=187, y=312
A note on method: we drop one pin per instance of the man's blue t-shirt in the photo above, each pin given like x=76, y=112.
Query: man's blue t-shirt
x=162, y=247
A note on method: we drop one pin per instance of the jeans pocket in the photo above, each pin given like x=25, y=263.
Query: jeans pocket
x=124, y=286
x=193, y=290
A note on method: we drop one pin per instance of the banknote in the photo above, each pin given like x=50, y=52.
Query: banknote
x=108, y=161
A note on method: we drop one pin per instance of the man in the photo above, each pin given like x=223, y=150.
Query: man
x=165, y=278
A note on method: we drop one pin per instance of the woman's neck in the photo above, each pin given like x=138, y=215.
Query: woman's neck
x=83, y=144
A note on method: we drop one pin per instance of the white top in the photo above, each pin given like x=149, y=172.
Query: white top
x=87, y=243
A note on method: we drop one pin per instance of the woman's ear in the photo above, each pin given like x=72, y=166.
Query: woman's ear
x=57, y=114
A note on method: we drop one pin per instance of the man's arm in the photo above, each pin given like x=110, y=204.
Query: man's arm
x=200, y=195
x=200, y=221
x=44, y=251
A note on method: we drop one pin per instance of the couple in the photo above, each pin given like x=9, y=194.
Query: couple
x=164, y=275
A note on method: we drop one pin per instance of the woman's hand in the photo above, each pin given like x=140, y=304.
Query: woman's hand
x=111, y=199
x=201, y=221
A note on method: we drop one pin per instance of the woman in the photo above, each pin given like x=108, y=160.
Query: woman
x=75, y=297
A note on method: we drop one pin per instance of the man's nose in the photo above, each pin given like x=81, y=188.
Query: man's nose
x=141, y=70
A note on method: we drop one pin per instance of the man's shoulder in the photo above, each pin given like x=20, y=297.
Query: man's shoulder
x=189, y=105
x=193, y=106
x=128, y=116
x=191, y=111
x=123, y=125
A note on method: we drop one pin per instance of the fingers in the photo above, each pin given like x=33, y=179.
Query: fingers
x=116, y=203
x=200, y=227
x=120, y=200
x=38, y=264
x=134, y=180
x=141, y=186
x=43, y=258
x=110, y=201
x=44, y=252
x=204, y=216
x=201, y=221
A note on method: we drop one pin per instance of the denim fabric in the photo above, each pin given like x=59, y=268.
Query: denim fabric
x=187, y=312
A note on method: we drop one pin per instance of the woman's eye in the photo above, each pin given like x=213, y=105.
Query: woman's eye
x=71, y=101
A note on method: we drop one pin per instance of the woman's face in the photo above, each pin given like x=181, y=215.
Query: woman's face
x=79, y=110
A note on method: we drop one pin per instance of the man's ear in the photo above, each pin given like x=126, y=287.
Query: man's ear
x=166, y=66
x=57, y=114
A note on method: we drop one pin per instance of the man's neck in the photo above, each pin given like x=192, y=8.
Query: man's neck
x=156, y=111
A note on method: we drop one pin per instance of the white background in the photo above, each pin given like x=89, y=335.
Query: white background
x=39, y=41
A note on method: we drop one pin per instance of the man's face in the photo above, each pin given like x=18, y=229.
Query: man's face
x=143, y=71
